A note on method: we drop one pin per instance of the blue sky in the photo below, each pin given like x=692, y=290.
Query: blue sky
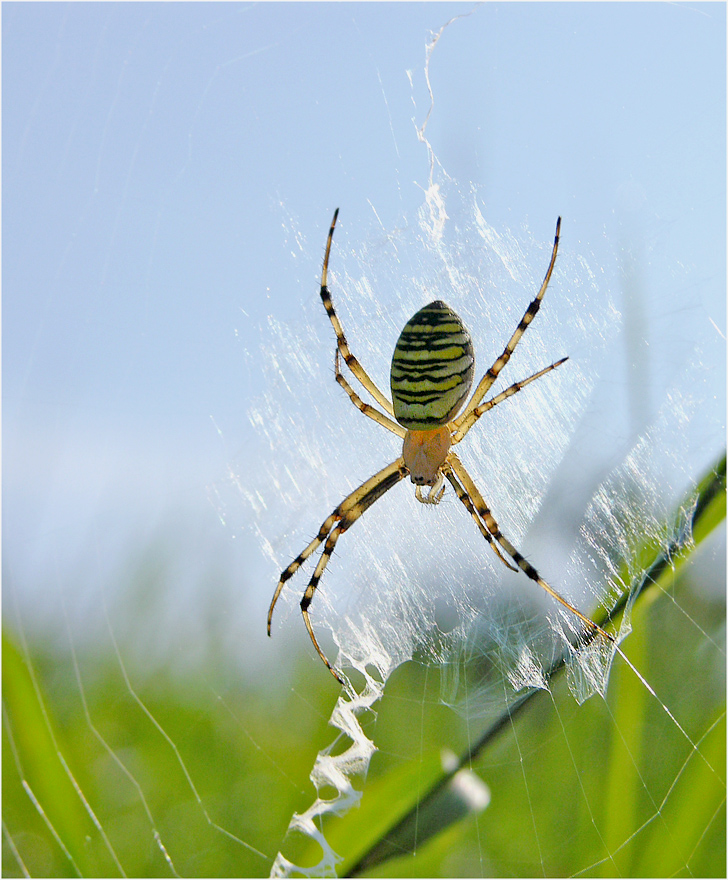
x=169, y=174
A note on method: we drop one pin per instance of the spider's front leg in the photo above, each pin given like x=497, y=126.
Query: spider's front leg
x=471, y=491
x=346, y=514
x=476, y=515
x=323, y=533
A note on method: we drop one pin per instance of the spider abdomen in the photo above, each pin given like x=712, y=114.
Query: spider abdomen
x=432, y=368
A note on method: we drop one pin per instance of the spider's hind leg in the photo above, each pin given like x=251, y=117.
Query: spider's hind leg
x=342, y=345
x=465, y=423
x=368, y=410
x=487, y=381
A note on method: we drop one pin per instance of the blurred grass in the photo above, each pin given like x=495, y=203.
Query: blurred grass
x=608, y=788
x=620, y=813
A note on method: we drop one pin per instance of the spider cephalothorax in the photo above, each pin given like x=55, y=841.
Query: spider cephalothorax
x=432, y=373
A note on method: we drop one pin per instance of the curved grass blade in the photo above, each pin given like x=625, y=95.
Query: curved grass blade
x=707, y=504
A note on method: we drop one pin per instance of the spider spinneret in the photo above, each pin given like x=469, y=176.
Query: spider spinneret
x=431, y=376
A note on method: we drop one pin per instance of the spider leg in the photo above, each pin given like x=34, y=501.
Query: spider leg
x=492, y=374
x=465, y=498
x=323, y=534
x=346, y=514
x=342, y=345
x=522, y=563
x=366, y=408
x=472, y=417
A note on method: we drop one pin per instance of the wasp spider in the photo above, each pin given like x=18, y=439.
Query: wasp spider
x=431, y=376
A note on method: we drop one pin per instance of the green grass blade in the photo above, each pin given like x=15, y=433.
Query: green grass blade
x=707, y=504
x=29, y=732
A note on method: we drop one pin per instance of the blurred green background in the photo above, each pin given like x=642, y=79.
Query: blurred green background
x=169, y=174
x=214, y=766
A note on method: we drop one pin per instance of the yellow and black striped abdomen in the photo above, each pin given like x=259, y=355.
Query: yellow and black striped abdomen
x=432, y=368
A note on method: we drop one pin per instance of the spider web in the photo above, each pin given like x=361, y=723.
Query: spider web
x=429, y=591
x=391, y=597
x=396, y=597
x=150, y=728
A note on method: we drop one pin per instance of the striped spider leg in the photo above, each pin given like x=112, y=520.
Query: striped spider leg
x=431, y=376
